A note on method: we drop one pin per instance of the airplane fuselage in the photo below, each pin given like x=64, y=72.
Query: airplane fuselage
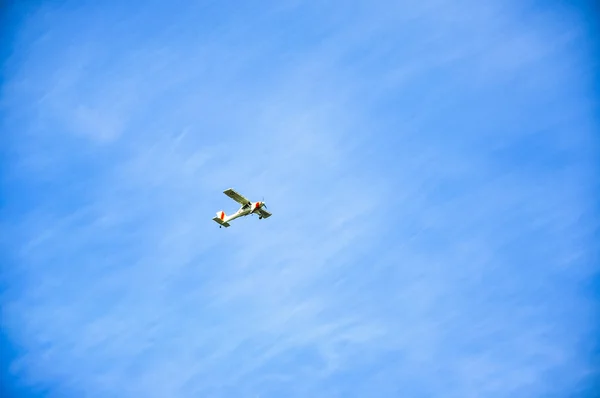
x=244, y=210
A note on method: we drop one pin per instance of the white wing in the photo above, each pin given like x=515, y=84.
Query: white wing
x=236, y=196
x=264, y=214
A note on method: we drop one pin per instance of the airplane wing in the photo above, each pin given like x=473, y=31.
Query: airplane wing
x=264, y=214
x=236, y=196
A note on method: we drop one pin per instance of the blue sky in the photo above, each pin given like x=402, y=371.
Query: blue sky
x=431, y=167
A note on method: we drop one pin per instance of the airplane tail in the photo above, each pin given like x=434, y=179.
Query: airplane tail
x=220, y=219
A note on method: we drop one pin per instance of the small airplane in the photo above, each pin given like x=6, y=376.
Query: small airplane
x=247, y=208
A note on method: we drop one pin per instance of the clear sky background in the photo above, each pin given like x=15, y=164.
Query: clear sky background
x=431, y=167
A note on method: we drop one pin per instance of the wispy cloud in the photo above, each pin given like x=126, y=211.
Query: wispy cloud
x=428, y=170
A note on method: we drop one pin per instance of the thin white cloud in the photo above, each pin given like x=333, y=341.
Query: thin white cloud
x=372, y=257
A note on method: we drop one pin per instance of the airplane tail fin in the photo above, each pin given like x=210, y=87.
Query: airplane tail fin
x=220, y=219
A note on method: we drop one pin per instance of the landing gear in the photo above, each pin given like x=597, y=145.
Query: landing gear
x=219, y=226
x=260, y=217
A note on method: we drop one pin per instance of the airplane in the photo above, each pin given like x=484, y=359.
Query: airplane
x=247, y=208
